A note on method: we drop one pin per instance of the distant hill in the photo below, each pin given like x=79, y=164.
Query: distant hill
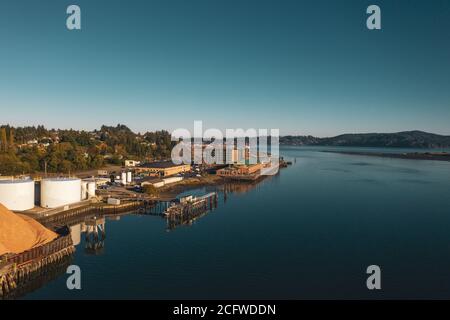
x=299, y=140
x=406, y=139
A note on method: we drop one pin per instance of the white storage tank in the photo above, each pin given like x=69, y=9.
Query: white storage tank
x=84, y=190
x=124, y=178
x=129, y=177
x=91, y=187
x=58, y=192
x=17, y=195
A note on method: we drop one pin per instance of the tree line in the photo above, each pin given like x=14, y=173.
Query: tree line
x=25, y=150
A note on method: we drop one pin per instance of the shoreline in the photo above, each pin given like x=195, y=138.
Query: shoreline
x=172, y=191
x=435, y=156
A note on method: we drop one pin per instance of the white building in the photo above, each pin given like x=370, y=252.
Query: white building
x=132, y=163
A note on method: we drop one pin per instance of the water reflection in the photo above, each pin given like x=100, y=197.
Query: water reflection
x=188, y=218
x=39, y=278
x=242, y=187
x=323, y=212
x=189, y=209
x=92, y=229
x=95, y=235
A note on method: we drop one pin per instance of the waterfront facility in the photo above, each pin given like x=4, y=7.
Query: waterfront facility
x=241, y=171
x=163, y=169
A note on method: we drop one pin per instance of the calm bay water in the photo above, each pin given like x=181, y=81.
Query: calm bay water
x=309, y=232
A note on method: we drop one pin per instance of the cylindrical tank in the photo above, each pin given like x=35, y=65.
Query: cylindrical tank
x=17, y=195
x=60, y=192
x=124, y=178
x=129, y=177
x=91, y=187
x=84, y=190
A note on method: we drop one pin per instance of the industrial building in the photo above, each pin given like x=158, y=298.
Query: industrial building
x=59, y=192
x=102, y=172
x=240, y=170
x=158, y=183
x=17, y=194
x=163, y=169
x=125, y=177
x=132, y=163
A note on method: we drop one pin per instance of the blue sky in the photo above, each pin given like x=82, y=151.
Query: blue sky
x=305, y=67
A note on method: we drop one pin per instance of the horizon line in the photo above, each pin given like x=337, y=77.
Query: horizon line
x=281, y=135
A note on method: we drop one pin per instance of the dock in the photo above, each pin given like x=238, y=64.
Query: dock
x=17, y=269
x=79, y=214
x=189, y=209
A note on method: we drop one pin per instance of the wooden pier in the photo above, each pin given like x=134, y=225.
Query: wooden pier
x=25, y=270
x=80, y=214
x=39, y=278
x=189, y=209
x=17, y=269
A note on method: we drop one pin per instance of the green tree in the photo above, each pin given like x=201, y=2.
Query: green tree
x=11, y=164
x=3, y=140
x=11, y=137
x=65, y=166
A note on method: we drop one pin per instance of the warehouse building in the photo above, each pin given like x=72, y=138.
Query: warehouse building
x=163, y=169
x=240, y=170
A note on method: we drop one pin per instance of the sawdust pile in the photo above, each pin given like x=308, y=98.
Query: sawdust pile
x=19, y=233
